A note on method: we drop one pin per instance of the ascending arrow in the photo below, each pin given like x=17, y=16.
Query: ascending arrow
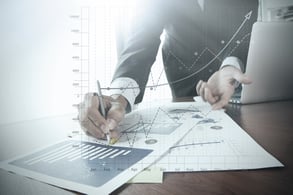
x=247, y=17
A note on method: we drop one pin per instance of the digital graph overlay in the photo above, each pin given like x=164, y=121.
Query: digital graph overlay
x=82, y=162
x=145, y=128
x=214, y=56
x=149, y=123
x=85, y=61
x=143, y=125
x=157, y=122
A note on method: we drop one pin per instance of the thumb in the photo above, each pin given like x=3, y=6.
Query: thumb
x=115, y=115
x=223, y=101
x=112, y=123
x=241, y=77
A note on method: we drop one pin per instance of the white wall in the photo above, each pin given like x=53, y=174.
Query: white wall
x=266, y=6
x=36, y=55
x=35, y=50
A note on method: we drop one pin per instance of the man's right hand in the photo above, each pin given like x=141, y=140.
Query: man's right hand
x=92, y=121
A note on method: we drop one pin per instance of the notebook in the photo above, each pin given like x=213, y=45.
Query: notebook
x=269, y=64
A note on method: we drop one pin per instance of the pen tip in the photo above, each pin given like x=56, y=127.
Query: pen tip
x=113, y=141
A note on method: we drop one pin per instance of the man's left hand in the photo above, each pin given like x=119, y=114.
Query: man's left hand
x=221, y=86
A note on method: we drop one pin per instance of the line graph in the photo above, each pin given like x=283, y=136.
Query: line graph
x=193, y=64
x=86, y=62
x=148, y=131
x=247, y=17
x=153, y=122
x=143, y=124
x=216, y=56
x=195, y=144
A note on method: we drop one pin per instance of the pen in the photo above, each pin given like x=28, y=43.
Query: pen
x=102, y=106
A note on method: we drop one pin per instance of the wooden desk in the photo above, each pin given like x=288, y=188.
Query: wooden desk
x=271, y=125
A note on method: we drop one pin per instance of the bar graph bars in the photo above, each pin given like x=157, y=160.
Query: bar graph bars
x=83, y=162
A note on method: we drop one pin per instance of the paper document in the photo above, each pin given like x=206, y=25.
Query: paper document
x=215, y=143
x=149, y=175
x=91, y=166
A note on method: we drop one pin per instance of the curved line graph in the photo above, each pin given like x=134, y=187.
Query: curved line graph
x=246, y=18
x=196, y=144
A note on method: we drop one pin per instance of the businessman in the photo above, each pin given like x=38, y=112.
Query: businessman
x=204, y=53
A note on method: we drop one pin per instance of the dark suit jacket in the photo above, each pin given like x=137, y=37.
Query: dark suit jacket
x=195, y=42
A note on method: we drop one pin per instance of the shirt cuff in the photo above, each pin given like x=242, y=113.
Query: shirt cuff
x=126, y=87
x=233, y=61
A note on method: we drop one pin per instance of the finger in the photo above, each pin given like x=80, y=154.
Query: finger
x=241, y=77
x=91, y=100
x=115, y=135
x=93, y=112
x=220, y=104
x=112, y=123
x=92, y=129
x=198, y=86
x=82, y=113
x=97, y=119
x=208, y=96
x=223, y=101
x=88, y=101
x=94, y=101
x=202, y=90
x=82, y=110
x=115, y=115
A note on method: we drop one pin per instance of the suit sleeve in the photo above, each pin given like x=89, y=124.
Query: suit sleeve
x=141, y=46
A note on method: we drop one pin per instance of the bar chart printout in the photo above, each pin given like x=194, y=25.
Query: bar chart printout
x=81, y=162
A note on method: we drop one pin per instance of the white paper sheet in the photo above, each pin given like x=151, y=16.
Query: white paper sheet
x=91, y=166
x=215, y=143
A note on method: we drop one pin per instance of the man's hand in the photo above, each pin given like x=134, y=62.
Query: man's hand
x=92, y=121
x=220, y=86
